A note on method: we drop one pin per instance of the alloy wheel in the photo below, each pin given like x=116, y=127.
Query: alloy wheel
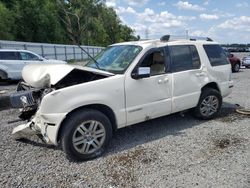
x=89, y=136
x=209, y=105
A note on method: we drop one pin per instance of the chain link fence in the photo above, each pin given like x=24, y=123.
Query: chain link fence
x=53, y=51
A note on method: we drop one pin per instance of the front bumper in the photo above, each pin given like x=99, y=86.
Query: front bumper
x=46, y=125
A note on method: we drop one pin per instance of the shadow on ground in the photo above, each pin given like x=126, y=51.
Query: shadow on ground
x=171, y=125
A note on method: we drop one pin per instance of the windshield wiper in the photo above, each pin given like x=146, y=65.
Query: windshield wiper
x=96, y=63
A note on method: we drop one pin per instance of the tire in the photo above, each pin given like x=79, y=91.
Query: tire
x=3, y=75
x=86, y=133
x=236, y=67
x=209, y=104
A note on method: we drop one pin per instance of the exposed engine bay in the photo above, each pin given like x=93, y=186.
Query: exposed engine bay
x=28, y=96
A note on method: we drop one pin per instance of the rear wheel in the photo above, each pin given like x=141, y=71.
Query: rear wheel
x=236, y=67
x=209, y=104
x=3, y=75
x=86, y=134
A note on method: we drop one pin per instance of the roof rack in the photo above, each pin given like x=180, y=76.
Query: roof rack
x=166, y=38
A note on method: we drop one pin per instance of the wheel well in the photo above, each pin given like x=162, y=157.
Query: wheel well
x=212, y=85
x=100, y=107
x=3, y=75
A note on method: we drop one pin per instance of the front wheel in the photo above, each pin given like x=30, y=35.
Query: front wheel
x=209, y=104
x=85, y=134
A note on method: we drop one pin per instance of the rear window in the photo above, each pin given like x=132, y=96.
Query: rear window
x=216, y=55
x=9, y=56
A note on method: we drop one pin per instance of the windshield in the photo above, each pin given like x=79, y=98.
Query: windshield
x=115, y=59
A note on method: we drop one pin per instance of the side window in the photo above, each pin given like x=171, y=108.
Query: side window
x=9, y=55
x=215, y=54
x=195, y=57
x=156, y=61
x=28, y=56
x=184, y=57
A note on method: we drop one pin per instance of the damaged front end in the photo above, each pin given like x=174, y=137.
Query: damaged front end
x=38, y=82
x=27, y=99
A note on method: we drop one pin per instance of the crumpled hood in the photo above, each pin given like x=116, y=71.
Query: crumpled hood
x=45, y=75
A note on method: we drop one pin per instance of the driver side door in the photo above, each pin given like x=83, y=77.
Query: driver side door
x=149, y=97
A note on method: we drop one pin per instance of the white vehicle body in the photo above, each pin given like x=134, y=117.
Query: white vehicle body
x=127, y=100
x=13, y=61
x=246, y=61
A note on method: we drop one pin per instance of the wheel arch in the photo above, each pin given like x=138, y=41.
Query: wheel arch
x=106, y=110
x=212, y=85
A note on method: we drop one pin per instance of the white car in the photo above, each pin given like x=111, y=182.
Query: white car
x=13, y=61
x=246, y=61
x=81, y=107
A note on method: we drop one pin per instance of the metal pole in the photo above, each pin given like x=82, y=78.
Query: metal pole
x=65, y=50
x=81, y=55
x=55, y=51
x=42, y=50
x=74, y=53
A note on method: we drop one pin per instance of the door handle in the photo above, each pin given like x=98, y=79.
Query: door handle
x=160, y=81
x=165, y=80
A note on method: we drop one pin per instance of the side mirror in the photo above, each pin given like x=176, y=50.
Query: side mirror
x=142, y=72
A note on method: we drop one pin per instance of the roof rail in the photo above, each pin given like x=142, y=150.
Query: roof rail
x=166, y=38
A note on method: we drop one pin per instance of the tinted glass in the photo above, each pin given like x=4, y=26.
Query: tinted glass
x=9, y=55
x=195, y=57
x=184, y=57
x=216, y=55
x=28, y=56
x=181, y=58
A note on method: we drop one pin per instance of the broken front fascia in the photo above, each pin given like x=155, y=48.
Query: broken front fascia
x=44, y=125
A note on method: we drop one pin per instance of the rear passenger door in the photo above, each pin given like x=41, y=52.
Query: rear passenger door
x=187, y=72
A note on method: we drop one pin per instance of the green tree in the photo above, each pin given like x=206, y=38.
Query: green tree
x=6, y=23
x=38, y=21
x=88, y=22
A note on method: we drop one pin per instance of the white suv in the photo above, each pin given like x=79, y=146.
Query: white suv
x=81, y=107
x=13, y=61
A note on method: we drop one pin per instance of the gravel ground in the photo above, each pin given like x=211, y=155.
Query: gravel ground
x=172, y=151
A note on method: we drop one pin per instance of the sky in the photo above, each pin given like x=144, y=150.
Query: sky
x=226, y=21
